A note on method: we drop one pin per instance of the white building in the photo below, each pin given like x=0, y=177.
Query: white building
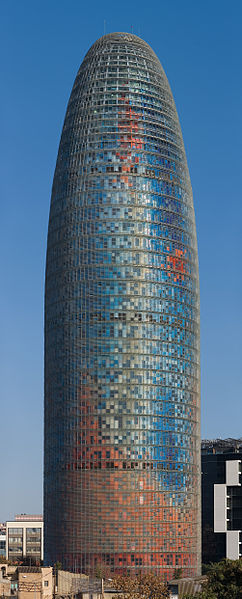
x=24, y=538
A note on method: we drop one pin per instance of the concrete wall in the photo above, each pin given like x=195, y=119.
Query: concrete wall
x=220, y=508
x=5, y=583
x=232, y=473
x=68, y=582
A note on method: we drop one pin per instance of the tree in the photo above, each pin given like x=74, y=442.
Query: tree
x=144, y=586
x=30, y=561
x=224, y=581
x=177, y=573
x=203, y=595
x=102, y=570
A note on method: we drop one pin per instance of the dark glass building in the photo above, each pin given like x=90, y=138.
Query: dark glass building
x=122, y=443
x=221, y=499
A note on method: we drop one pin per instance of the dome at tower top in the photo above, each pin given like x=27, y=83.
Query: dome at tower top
x=123, y=37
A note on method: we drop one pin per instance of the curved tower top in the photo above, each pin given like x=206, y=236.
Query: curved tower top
x=122, y=36
x=122, y=377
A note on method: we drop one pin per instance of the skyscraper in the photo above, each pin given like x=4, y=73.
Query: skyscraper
x=122, y=444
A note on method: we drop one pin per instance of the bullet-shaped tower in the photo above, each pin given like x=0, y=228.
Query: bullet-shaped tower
x=122, y=374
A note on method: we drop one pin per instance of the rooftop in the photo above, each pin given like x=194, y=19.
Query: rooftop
x=229, y=445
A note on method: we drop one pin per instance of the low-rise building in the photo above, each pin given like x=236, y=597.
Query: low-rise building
x=35, y=582
x=5, y=582
x=24, y=539
x=184, y=587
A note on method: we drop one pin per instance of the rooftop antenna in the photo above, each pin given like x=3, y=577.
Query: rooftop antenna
x=132, y=29
x=104, y=27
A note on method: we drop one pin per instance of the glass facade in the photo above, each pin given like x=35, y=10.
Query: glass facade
x=15, y=543
x=122, y=375
x=33, y=542
x=2, y=545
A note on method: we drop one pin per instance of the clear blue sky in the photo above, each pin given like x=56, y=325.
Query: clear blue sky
x=43, y=43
